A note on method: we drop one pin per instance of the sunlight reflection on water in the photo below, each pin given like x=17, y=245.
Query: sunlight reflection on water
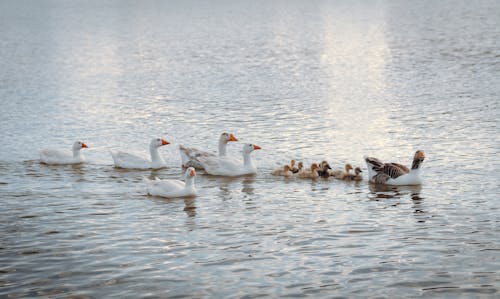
x=304, y=80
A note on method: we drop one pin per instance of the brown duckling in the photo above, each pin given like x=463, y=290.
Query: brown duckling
x=356, y=176
x=284, y=171
x=324, y=168
x=293, y=168
x=299, y=168
x=339, y=174
x=310, y=173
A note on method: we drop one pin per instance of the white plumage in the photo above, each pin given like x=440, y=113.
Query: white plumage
x=59, y=157
x=191, y=156
x=132, y=161
x=225, y=166
x=173, y=188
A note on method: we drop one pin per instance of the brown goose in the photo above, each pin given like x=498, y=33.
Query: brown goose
x=395, y=173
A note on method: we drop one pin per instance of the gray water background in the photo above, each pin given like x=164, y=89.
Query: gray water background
x=309, y=80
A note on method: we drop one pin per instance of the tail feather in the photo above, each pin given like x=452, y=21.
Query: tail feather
x=375, y=163
x=184, y=156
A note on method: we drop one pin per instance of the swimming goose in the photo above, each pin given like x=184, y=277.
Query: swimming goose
x=356, y=176
x=310, y=173
x=339, y=174
x=190, y=156
x=173, y=188
x=284, y=171
x=131, y=161
x=225, y=166
x=59, y=157
x=395, y=173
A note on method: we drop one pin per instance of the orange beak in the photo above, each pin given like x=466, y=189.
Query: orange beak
x=421, y=155
x=192, y=173
x=84, y=145
x=256, y=147
x=232, y=137
x=164, y=142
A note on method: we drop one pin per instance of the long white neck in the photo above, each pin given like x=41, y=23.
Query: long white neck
x=155, y=156
x=247, y=160
x=189, y=182
x=222, y=147
x=76, y=153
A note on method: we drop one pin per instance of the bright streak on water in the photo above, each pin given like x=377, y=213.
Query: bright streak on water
x=306, y=80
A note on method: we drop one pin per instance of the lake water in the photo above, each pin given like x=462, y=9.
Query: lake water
x=309, y=80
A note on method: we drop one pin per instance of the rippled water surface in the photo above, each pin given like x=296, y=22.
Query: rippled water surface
x=309, y=80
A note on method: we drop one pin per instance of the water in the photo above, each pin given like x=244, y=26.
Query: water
x=309, y=80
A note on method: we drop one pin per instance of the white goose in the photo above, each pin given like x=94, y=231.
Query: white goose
x=190, y=156
x=131, y=161
x=395, y=173
x=59, y=157
x=173, y=188
x=226, y=166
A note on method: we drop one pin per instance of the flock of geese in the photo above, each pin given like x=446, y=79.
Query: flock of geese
x=223, y=165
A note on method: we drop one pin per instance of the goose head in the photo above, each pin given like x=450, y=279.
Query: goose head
x=157, y=142
x=190, y=172
x=300, y=165
x=292, y=163
x=348, y=167
x=314, y=167
x=418, y=159
x=248, y=148
x=226, y=137
x=79, y=145
x=419, y=155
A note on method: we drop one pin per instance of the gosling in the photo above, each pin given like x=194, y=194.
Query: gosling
x=339, y=174
x=299, y=168
x=356, y=176
x=324, y=169
x=285, y=171
x=310, y=173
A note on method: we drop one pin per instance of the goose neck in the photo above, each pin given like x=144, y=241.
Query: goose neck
x=189, y=182
x=76, y=153
x=155, y=156
x=416, y=164
x=222, y=148
x=247, y=160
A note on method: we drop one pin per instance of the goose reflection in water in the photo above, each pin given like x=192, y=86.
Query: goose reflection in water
x=190, y=207
x=248, y=185
x=379, y=192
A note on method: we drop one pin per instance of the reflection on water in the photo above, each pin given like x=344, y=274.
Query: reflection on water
x=190, y=207
x=304, y=80
x=383, y=192
x=248, y=183
x=378, y=191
